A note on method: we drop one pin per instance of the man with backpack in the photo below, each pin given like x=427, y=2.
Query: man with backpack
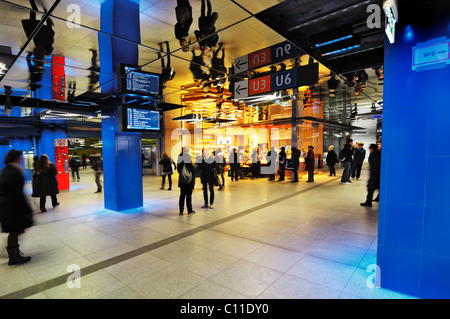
x=186, y=180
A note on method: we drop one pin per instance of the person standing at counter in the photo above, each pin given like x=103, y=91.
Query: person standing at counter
x=281, y=163
x=310, y=164
x=295, y=156
x=15, y=211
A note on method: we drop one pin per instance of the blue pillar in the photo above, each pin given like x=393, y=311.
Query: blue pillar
x=122, y=158
x=414, y=211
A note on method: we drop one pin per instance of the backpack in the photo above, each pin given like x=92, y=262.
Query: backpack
x=185, y=175
x=76, y=162
x=341, y=155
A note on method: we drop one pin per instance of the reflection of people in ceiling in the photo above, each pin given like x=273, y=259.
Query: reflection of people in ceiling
x=94, y=76
x=196, y=67
x=218, y=70
x=71, y=92
x=183, y=12
x=35, y=73
x=43, y=45
x=44, y=38
x=206, y=27
x=167, y=71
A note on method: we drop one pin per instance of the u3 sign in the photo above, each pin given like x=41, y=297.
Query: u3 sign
x=275, y=53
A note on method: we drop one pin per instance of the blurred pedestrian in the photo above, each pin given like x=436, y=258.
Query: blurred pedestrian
x=374, y=179
x=15, y=210
x=281, y=164
x=75, y=163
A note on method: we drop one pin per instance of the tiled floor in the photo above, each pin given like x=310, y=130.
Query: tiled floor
x=262, y=240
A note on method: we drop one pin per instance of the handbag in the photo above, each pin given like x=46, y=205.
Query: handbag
x=289, y=164
x=216, y=178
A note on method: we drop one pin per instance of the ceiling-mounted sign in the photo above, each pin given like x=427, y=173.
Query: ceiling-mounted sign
x=430, y=55
x=241, y=64
x=300, y=76
x=275, y=53
x=241, y=89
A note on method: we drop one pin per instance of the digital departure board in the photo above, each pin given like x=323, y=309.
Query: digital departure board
x=135, y=81
x=142, y=120
x=141, y=82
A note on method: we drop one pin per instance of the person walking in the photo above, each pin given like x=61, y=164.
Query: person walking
x=255, y=164
x=332, y=159
x=15, y=211
x=345, y=157
x=45, y=183
x=168, y=169
x=359, y=156
x=75, y=163
x=208, y=167
x=186, y=181
x=281, y=163
x=295, y=156
x=374, y=179
x=310, y=164
x=97, y=166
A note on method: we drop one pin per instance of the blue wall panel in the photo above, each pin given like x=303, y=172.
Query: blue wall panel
x=414, y=212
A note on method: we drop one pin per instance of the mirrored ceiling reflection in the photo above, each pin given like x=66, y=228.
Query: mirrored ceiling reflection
x=238, y=31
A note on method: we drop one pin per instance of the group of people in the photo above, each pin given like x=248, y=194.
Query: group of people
x=352, y=158
x=211, y=169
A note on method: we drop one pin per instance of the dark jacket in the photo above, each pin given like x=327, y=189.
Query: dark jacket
x=282, y=158
x=190, y=167
x=183, y=12
x=375, y=170
x=45, y=182
x=15, y=211
x=209, y=171
x=332, y=158
x=75, y=161
x=360, y=155
x=347, y=153
x=295, y=156
x=167, y=162
x=309, y=161
x=96, y=164
x=45, y=36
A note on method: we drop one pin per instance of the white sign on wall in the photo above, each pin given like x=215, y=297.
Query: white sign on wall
x=431, y=55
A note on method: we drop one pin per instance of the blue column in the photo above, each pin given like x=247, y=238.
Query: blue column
x=122, y=158
x=414, y=211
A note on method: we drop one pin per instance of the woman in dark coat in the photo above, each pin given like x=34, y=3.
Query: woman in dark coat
x=167, y=163
x=332, y=159
x=15, y=211
x=186, y=187
x=45, y=183
x=310, y=164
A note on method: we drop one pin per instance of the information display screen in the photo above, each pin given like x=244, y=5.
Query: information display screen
x=135, y=81
x=141, y=82
x=142, y=119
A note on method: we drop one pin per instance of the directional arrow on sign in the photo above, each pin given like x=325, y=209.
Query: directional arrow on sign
x=241, y=89
x=241, y=64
